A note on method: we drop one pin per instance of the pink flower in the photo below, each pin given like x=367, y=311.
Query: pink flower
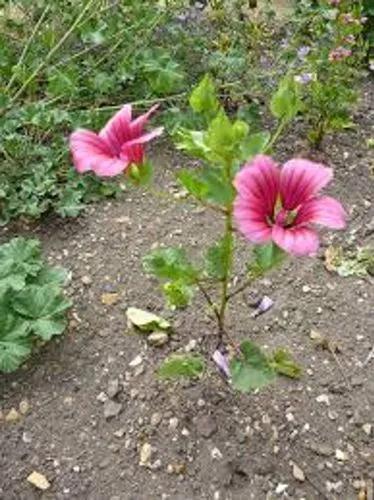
x=334, y=3
x=339, y=54
x=118, y=145
x=281, y=205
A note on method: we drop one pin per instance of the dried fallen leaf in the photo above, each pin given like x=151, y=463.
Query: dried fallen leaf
x=145, y=320
x=109, y=299
x=39, y=481
x=333, y=257
x=324, y=343
x=12, y=416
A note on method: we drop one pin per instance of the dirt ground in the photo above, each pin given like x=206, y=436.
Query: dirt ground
x=306, y=439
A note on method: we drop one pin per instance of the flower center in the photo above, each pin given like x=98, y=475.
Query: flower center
x=285, y=218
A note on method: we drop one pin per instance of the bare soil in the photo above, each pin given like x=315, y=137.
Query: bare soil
x=207, y=441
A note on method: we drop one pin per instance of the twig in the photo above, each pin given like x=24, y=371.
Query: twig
x=52, y=52
x=341, y=369
x=26, y=47
x=369, y=357
x=241, y=288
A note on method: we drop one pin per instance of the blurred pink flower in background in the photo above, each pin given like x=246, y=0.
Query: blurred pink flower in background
x=118, y=145
x=339, y=54
x=280, y=205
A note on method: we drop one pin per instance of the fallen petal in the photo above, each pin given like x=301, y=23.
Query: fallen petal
x=221, y=360
x=262, y=306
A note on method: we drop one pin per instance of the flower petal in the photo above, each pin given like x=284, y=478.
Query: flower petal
x=137, y=125
x=133, y=150
x=251, y=222
x=324, y=210
x=300, y=180
x=257, y=186
x=88, y=149
x=258, y=181
x=297, y=241
x=117, y=130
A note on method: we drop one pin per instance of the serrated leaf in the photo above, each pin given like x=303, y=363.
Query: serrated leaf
x=46, y=328
x=43, y=308
x=51, y=276
x=191, y=181
x=204, y=98
x=268, y=256
x=13, y=354
x=218, y=258
x=219, y=190
x=178, y=294
x=209, y=185
x=37, y=302
x=193, y=142
x=18, y=259
x=286, y=103
x=182, y=366
x=145, y=320
x=255, y=144
x=252, y=369
x=170, y=263
x=14, y=344
x=283, y=363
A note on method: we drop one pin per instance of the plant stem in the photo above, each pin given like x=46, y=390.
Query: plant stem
x=276, y=135
x=26, y=47
x=240, y=289
x=52, y=51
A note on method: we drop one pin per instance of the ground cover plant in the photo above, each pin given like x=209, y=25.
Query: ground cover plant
x=32, y=304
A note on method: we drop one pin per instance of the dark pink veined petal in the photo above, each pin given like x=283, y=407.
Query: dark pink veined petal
x=117, y=130
x=297, y=241
x=251, y=222
x=324, y=210
x=137, y=125
x=301, y=180
x=258, y=182
x=133, y=150
x=88, y=149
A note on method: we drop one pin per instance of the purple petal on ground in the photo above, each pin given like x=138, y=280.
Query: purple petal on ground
x=263, y=305
x=221, y=360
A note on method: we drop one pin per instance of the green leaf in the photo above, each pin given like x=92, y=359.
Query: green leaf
x=170, y=263
x=255, y=144
x=51, y=276
x=204, y=98
x=14, y=343
x=145, y=320
x=286, y=103
x=182, y=366
x=19, y=259
x=43, y=307
x=13, y=354
x=141, y=175
x=220, y=137
x=218, y=258
x=252, y=370
x=283, y=363
x=218, y=189
x=46, y=328
x=192, y=182
x=178, y=294
x=268, y=256
x=193, y=142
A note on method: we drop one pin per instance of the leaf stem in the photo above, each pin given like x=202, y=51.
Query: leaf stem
x=240, y=289
x=277, y=133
